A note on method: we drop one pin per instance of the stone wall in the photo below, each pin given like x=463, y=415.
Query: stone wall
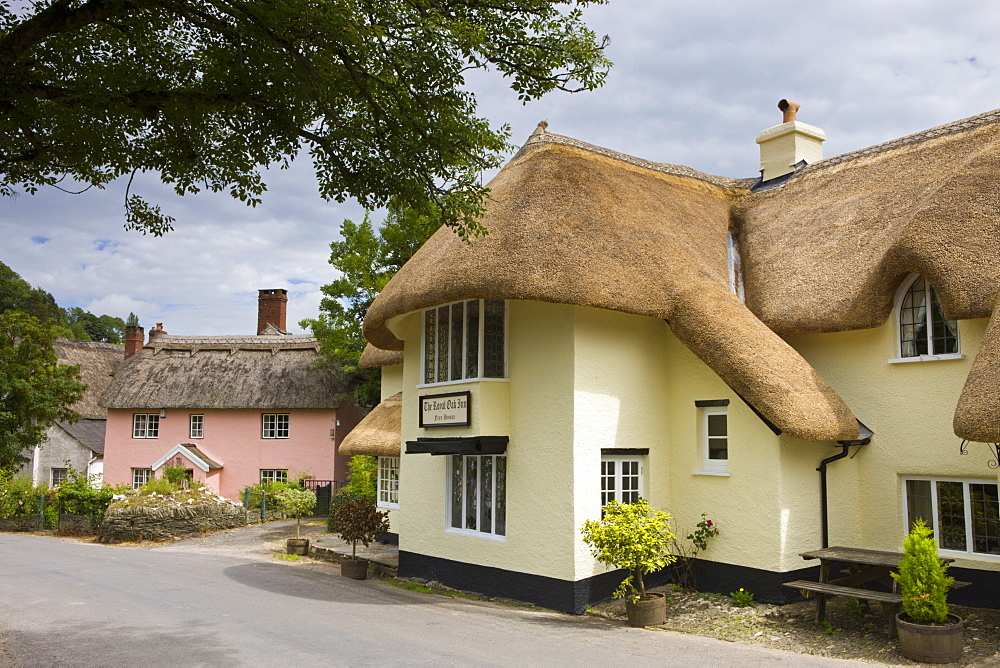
x=138, y=523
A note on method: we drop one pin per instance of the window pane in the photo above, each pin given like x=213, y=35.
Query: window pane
x=630, y=481
x=471, y=485
x=985, y=518
x=718, y=448
x=152, y=426
x=493, y=339
x=717, y=425
x=456, y=491
x=913, y=321
x=501, y=497
x=919, y=504
x=430, y=345
x=486, y=496
x=472, y=338
x=457, y=330
x=951, y=515
x=945, y=331
x=442, y=351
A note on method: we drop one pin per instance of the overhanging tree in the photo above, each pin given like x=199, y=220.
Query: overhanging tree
x=205, y=92
x=366, y=260
x=35, y=390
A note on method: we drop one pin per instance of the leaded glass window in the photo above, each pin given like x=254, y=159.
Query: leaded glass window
x=465, y=340
x=923, y=328
x=479, y=494
x=965, y=515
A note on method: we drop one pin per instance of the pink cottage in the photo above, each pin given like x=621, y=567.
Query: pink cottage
x=232, y=410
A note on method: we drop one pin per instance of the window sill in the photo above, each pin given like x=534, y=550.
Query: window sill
x=476, y=534
x=969, y=556
x=927, y=358
x=717, y=474
x=460, y=382
x=387, y=506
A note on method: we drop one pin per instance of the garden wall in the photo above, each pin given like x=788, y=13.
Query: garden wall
x=138, y=523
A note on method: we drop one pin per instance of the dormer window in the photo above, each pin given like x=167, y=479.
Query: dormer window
x=465, y=341
x=924, y=332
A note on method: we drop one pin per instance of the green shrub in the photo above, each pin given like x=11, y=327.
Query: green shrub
x=296, y=501
x=363, y=477
x=19, y=497
x=923, y=578
x=158, y=486
x=175, y=474
x=80, y=494
x=633, y=537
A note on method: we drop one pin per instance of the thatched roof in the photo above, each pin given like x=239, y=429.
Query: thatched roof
x=88, y=431
x=378, y=434
x=632, y=237
x=373, y=357
x=98, y=362
x=577, y=224
x=260, y=372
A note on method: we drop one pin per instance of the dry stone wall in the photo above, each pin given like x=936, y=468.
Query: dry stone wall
x=139, y=523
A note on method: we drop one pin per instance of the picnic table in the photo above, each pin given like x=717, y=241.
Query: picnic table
x=863, y=567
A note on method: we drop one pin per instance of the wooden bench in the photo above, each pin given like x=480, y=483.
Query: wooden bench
x=891, y=602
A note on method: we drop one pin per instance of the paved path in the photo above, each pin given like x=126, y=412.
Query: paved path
x=224, y=600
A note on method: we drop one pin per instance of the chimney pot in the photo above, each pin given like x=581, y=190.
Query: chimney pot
x=789, y=110
x=271, y=309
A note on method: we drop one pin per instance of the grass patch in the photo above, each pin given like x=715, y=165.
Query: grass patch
x=286, y=557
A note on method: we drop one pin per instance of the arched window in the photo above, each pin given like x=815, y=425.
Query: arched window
x=923, y=329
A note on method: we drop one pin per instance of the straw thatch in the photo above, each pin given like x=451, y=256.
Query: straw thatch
x=373, y=357
x=378, y=434
x=260, y=372
x=633, y=237
x=98, y=362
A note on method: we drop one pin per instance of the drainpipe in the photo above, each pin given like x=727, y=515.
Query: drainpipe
x=864, y=438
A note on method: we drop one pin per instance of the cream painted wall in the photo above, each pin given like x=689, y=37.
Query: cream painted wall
x=392, y=380
x=910, y=407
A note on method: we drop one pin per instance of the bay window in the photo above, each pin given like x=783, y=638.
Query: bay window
x=465, y=340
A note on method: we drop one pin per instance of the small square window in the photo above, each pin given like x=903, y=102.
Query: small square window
x=145, y=425
x=621, y=479
x=140, y=477
x=273, y=476
x=275, y=425
x=58, y=475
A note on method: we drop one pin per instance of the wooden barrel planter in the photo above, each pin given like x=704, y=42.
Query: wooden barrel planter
x=299, y=546
x=929, y=643
x=354, y=568
x=649, y=611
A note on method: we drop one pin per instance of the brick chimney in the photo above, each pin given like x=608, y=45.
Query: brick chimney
x=271, y=306
x=134, y=337
x=786, y=147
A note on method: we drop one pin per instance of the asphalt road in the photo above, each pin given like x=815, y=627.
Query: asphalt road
x=226, y=601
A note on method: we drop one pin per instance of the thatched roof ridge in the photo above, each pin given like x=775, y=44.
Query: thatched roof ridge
x=630, y=238
x=379, y=433
x=373, y=357
x=98, y=362
x=195, y=372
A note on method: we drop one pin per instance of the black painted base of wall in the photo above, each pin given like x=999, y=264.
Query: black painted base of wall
x=576, y=597
x=391, y=538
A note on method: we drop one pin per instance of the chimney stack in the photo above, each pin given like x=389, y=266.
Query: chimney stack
x=134, y=337
x=156, y=331
x=271, y=307
x=787, y=147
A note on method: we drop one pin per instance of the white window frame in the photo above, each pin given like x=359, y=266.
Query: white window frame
x=196, y=425
x=475, y=533
x=931, y=356
x=615, y=491
x=64, y=473
x=279, y=426
x=145, y=425
x=712, y=466
x=967, y=508
x=388, y=482
x=273, y=475
x=481, y=345
x=140, y=477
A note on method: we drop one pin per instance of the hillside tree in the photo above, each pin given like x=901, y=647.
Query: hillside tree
x=366, y=259
x=204, y=93
x=35, y=390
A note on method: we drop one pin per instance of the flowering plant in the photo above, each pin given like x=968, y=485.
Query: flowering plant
x=704, y=531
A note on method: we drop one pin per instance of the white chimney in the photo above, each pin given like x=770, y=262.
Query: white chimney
x=784, y=146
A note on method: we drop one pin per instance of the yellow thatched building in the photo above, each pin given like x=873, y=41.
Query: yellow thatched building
x=637, y=328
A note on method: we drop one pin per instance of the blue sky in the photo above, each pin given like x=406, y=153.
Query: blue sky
x=693, y=84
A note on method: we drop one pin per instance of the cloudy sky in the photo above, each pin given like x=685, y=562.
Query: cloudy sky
x=693, y=84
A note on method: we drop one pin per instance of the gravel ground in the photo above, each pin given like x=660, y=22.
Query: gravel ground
x=851, y=632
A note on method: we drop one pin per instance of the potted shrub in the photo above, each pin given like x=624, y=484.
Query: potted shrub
x=636, y=538
x=359, y=521
x=927, y=631
x=297, y=501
